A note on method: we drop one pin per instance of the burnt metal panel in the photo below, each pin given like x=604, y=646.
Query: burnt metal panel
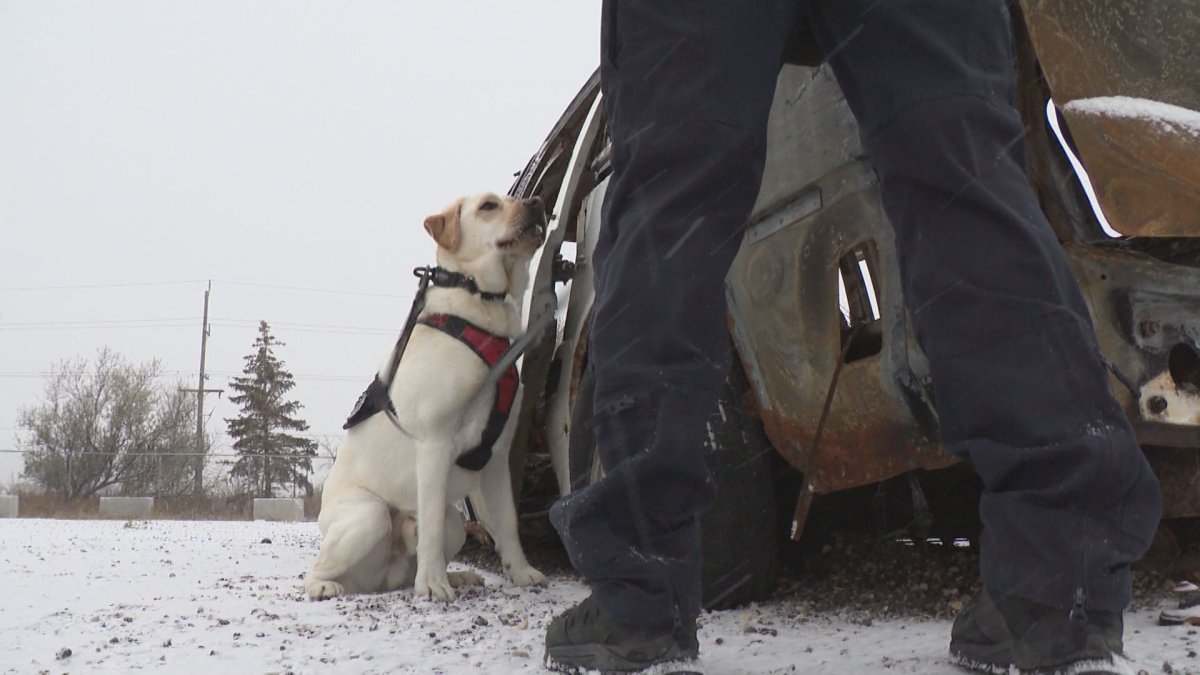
x=810, y=130
x=1145, y=310
x=783, y=292
x=819, y=201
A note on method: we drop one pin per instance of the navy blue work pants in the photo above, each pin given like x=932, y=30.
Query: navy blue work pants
x=1020, y=386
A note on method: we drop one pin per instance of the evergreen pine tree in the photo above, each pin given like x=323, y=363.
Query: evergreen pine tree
x=269, y=452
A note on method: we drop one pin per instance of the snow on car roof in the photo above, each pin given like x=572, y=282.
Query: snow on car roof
x=1169, y=117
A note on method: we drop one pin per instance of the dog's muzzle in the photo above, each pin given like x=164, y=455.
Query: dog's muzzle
x=532, y=230
x=535, y=227
x=535, y=233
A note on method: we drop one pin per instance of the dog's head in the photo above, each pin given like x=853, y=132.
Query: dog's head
x=477, y=226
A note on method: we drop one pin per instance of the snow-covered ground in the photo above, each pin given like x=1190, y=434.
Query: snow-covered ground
x=224, y=598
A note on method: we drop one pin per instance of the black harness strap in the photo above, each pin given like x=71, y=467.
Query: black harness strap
x=446, y=279
x=375, y=399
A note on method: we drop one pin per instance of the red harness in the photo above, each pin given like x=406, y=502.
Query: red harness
x=489, y=348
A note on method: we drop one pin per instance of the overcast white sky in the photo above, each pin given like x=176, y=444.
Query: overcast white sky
x=273, y=147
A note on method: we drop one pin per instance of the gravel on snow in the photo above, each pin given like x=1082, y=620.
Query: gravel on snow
x=95, y=596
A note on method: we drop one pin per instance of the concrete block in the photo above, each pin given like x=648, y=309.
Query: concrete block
x=8, y=506
x=126, y=507
x=291, y=508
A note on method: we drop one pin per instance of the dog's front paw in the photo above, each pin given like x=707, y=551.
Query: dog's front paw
x=322, y=589
x=526, y=575
x=464, y=579
x=434, y=586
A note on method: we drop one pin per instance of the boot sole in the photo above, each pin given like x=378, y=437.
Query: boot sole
x=609, y=660
x=1114, y=666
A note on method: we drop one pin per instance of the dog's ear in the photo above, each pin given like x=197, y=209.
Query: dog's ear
x=444, y=227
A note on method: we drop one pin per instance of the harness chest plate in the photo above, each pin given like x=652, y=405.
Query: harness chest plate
x=489, y=348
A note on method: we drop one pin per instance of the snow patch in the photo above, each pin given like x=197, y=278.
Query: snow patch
x=100, y=596
x=1167, y=117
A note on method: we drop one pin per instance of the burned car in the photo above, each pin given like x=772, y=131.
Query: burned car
x=828, y=373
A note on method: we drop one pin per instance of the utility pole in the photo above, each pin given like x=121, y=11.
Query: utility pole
x=200, y=392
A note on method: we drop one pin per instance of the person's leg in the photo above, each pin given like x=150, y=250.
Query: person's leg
x=1020, y=386
x=688, y=86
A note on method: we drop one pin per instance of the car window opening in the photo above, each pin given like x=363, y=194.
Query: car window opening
x=858, y=303
x=1052, y=116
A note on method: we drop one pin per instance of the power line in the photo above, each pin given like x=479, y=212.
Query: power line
x=290, y=324
x=10, y=451
x=298, y=376
x=307, y=327
x=251, y=284
x=177, y=322
x=305, y=376
x=31, y=374
x=309, y=289
x=80, y=287
x=96, y=323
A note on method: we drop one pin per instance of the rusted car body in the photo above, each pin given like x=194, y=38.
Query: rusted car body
x=815, y=306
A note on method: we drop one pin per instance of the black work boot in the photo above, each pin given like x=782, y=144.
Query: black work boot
x=1000, y=633
x=584, y=639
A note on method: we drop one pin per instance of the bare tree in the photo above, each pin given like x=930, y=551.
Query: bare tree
x=173, y=472
x=107, y=423
x=328, y=444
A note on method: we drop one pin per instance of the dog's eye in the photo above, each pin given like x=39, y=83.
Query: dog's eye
x=489, y=206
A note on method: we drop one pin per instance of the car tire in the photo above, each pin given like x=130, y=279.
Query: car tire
x=739, y=534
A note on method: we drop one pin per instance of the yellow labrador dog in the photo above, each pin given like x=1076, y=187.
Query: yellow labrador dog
x=388, y=518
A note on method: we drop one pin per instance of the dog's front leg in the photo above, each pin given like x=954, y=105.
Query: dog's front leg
x=433, y=471
x=499, y=516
